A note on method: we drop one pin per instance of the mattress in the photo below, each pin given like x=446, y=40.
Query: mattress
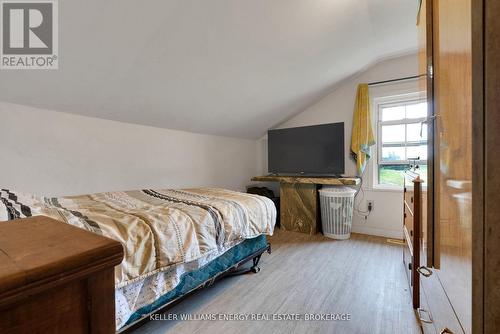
x=141, y=298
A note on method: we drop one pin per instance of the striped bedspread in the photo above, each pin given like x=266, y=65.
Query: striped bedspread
x=157, y=228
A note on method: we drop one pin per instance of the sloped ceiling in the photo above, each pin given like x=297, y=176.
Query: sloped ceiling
x=224, y=67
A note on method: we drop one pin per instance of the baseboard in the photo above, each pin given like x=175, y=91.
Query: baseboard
x=380, y=232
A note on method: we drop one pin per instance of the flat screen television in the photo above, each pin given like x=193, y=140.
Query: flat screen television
x=309, y=150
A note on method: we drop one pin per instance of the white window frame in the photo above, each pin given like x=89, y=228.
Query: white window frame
x=377, y=105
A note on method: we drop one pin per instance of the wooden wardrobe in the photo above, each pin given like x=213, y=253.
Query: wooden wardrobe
x=460, y=53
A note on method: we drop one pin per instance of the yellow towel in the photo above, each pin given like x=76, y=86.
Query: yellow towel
x=362, y=133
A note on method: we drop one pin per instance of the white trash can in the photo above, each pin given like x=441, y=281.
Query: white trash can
x=337, y=205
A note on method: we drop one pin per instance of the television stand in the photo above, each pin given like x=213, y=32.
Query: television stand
x=299, y=204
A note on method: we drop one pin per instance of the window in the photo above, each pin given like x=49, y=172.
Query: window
x=402, y=137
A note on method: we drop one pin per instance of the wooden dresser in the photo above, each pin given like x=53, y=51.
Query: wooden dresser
x=56, y=278
x=412, y=227
x=460, y=53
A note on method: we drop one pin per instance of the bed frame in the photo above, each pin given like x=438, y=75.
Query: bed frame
x=236, y=269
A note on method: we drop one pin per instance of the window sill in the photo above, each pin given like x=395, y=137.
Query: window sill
x=394, y=189
x=380, y=187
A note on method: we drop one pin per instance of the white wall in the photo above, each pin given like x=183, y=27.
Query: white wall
x=338, y=106
x=51, y=153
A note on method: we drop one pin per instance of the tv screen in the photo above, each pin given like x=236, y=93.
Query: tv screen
x=317, y=149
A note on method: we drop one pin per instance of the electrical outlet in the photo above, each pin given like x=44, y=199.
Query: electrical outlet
x=370, y=204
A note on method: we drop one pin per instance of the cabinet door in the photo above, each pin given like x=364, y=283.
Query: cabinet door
x=453, y=155
x=424, y=27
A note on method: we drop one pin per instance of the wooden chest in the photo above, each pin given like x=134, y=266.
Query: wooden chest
x=56, y=278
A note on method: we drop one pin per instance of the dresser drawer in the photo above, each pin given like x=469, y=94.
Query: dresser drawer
x=407, y=261
x=438, y=306
x=408, y=221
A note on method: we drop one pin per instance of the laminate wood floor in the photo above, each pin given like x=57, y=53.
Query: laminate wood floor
x=362, y=276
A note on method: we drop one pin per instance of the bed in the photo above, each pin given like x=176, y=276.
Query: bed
x=175, y=241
